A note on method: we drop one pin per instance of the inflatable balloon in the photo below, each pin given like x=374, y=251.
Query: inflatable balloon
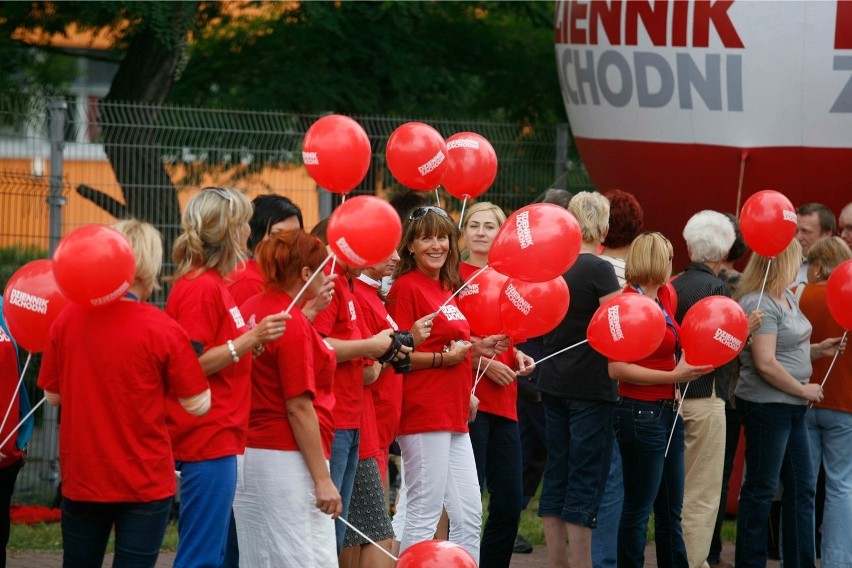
x=94, y=265
x=417, y=156
x=768, y=222
x=31, y=302
x=838, y=294
x=435, y=554
x=478, y=300
x=471, y=165
x=364, y=230
x=687, y=102
x=537, y=243
x=713, y=332
x=627, y=327
x=530, y=309
x=336, y=152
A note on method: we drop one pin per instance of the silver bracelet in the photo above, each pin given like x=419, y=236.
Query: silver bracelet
x=233, y=350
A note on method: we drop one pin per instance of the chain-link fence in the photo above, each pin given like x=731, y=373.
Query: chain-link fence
x=65, y=163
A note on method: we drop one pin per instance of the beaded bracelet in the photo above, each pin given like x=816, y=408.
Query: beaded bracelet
x=234, y=357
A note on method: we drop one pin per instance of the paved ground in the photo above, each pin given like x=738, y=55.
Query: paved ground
x=538, y=559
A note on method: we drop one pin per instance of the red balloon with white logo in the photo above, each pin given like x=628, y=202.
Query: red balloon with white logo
x=477, y=302
x=435, y=554
x=363, y=231
x=417, y=156
x=838, y=294
x=31, y=302
x=94, y=265
x=471, y=165
x=336, y=152
x=537, y=243
x=627, y=327
x=713, y=331
x=698, y=105
x=768, y=222
x=530, y=309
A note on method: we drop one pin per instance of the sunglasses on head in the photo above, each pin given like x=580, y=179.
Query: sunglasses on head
x=420, y=212
x=223, y=193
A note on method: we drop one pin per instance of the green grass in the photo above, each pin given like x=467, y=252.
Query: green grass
x=48, y=536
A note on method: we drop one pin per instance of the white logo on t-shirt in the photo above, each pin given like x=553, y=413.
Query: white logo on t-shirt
x=238, y=317
x=4, y=337
x=392, y=323
x=352, y=315
x=452, y=313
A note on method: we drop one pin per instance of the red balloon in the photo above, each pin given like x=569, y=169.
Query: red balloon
x=336, y=152
x=364, y=230
x=713, y=332
x=838, y=294
x=477, y=302
x=628, y=327
x=768, y=222
x=537, y=243
x=417, y=156
x=435, y=554
x=94, y=265
x=471, y=167
x=31, y=302
x=530, y=309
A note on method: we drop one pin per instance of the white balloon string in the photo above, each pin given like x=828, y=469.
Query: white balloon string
x=830, y=367
x=437, y=197
x=461, y=217
x=21, y=423
x=343, y=199
x=305, y=287
x=743, y=157
x=17, y=388
x=482, y=374
x=561, y=351
x=763, y=286
x=677, y=413
x=354, y=528
x=476, y=378
x=462, y=287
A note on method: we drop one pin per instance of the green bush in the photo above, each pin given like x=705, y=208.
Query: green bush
x=12, y=258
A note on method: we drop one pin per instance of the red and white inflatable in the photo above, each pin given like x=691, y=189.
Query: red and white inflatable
x=701, y=103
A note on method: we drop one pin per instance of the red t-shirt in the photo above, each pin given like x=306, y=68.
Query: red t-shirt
x=299, y=362
x=9, y=392
x=245, y=281
x=340, y=321
x=207, y=312
x=113, y=367
x=436, y=399
x=493, y=398
x=663, y=359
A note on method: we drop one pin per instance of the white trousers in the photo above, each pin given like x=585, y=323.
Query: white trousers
x=439, y=471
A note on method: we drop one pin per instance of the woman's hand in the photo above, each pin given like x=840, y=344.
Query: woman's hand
x=755, y=320
x=270, y=328
x=422, y=329
x=685, y=373
x=812, y=392
x=491, y=346
x=455, y=352
x=380, y=343
x=526, y=364
x=328, y=498
x=473, y=406
x=321, y=300
x=499, y=373
x=828, y=347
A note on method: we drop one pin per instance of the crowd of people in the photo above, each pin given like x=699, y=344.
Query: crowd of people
x=275, y=384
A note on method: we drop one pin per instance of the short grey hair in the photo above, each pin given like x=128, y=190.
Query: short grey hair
x=709, y=236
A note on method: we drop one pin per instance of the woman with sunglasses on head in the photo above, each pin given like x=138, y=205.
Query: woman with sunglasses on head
x=215, y=230
x=438, y=463
x=645, y=415
x=494, y=433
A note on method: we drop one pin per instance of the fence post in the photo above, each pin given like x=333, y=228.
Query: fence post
x=560, y=171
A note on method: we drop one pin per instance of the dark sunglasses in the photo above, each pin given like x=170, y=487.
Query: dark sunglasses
x=420, y=212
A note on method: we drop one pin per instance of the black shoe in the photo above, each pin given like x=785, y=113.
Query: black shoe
x=522, y=546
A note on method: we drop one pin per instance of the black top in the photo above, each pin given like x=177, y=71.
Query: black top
x=696, y=283
x=580, y=373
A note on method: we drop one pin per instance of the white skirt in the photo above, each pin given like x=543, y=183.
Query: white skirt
x=278, y=523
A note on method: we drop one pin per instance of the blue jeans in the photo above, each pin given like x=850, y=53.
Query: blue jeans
x=206, y=496
x=830, y=435
x=605, y=535
x=652, y=479
x=496, y=445
x=579, y=449
x=343, y=465
x=139, y=531
x=533, y=431
x=776, y=445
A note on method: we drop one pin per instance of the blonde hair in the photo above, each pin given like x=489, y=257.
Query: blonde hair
x=828, y=252
x=212, y=223
x=782, y=271
x=649, y=259
x=484, y=206
x=592, y=212
x=147, y=244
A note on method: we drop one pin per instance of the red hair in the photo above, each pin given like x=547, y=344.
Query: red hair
x=625, y=219
x=282, y=255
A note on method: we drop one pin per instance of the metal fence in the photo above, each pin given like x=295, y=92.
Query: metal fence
x=68, y=162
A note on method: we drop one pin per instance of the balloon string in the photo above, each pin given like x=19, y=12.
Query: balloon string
x=482, y=374
x=830, y=367
x=677, y=413
x=743, y=157
x=476, y=379
x=21, y=423
x=763, y=286
x=15, y=393
x=462, y=287
x=437, y=197
x=560, y=351
x=461, y=217
x=354, y=528
x=305, y=287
